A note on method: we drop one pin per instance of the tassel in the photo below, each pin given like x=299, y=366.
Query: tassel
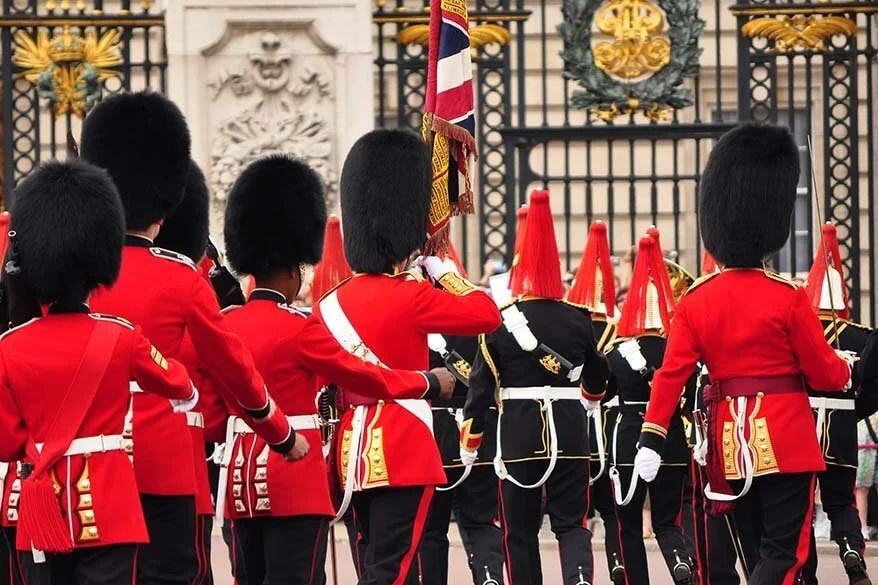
x=41, y=519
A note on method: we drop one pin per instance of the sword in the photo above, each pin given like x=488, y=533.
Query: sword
x=823, y=250
x=736, y=543
x=333, y=554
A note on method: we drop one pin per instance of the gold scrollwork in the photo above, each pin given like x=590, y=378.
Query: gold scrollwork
x=636, y=50
x=68, y=68
x=551, y=364
x=480, y=35
x=799, y=31
x=463, y=368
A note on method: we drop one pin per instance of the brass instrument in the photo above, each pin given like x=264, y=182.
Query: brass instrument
x=680, y=278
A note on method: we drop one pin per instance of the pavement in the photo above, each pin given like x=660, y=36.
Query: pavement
x=830, y=571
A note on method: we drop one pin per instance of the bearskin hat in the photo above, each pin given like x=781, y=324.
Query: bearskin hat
x=187, y=228
x=748, y=191
x=69, y=230
x=275, y=217
x=385, y=198
x=142, y=140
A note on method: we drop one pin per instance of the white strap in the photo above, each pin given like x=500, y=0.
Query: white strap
x=597, y=419
x=195, y=419
x=746, y=456
x=96, y=444
x=437, y=343
x=302, y=422
x=615, y=479
x=353, y=472
x=516, y=323
x=499, y=286
x=458, y=418
x=134, y=387
x=500, y=467
x=832, y=403
x=630, y=350
x=343, y=330
x=541, y=393
x=612, y=402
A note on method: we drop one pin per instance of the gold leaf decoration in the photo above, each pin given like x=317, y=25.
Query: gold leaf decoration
x=636, y=50
x=68, y=68
x=799, y=32
x=481, y=35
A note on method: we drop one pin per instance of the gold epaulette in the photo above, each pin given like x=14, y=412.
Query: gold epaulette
x=323, y=296
x=413, y=274
x=456, y=284
x=576, y=305
x=860, y=326
x=112, y=319
x=779, y=278
x=173, y=257
x=508, y=304
x=699, y=281
x=608, y=339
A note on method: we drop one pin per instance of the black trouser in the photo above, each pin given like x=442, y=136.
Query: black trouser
x=393, y=521
x=10, y=567
x=665, y=501
x=289, y=550
x=170, y=557
x=101, y=565
x=356, y=540
x=837, y=485
x=522, y=514
x=774, y=523
x=475, y=502
x=203, y=529
x=601, y=497
x=713, y=550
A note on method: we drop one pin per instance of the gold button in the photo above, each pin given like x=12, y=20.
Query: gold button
x=92, y=531
x=727, y=453
x=728, y=465
x=379, y=471
x=728, y=398
x=766, y=459
x=760, y=394
x=763, y=447
x=727, y=442
x=760, y=425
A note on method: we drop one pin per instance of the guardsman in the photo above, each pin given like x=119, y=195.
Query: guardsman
x=634, y=357
x=762, y=453
x=65, y=384
x=142, y=140
x=185, y=232
x=536, y=368
x=471, y=490
x=836, y=413
x=387, y=458
x=594, y=290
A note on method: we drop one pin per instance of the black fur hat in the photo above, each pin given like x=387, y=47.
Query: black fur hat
x=748, y=192
x=69, y=230
x=385, y=198
x=142, y=140
x=187, y=228
x=275, y=217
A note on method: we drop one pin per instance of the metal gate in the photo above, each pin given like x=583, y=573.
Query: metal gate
x=57, y=58
x=635, y=162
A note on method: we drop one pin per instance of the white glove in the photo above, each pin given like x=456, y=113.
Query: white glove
x=590, y=405
x=850, y=357
x=186, y=405
x=699, y=454
x=436, y=267
x=647, y=463
x=468, y=457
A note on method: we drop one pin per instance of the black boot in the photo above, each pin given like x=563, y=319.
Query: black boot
x=617, y=573
x=682, y=571
x=582, y=580
x=854, y=566
x=489, y=580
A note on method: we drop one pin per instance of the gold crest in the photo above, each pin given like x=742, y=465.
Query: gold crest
x=551, y=364
x=636, y=49
x=463, y=368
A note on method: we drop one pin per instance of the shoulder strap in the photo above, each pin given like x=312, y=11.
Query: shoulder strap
x=79, y=397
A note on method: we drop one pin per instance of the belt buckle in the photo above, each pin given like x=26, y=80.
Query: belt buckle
x=103, y=447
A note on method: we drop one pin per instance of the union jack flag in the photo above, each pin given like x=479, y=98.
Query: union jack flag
x=449, y=117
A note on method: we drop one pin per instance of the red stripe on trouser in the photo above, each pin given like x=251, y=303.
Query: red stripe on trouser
x=505, y=533
x=134, y=568
x=804, y=544
x=234, y=551
x=417, y=531
x=314, y=555
x=619, y=537
x=199, y=553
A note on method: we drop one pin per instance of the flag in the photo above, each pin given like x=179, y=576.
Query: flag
x=449, y=118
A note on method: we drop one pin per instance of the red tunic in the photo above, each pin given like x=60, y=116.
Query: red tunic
x=37, y=363
x=393, y=315
x=260, y=482
x=162, y=292
x=744, y=323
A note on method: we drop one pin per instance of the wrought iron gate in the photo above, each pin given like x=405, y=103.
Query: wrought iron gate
x=57, y=57
x=639, y=166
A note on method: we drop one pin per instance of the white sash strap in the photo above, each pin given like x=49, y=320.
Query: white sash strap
x=541, y=393
x=437, y=343
x=302, y=422
x=353, y=472
x=516, y=323
x=343, y=330
x=195, y=419
x=134, y=387
x=832, y=403
x=615, y=479
x=458, y=418
x=746, y=456
x=612, y=402
x=96, y=444
x=4, y=471
x=597, y=419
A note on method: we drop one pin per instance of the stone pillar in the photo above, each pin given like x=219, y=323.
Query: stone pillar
x=256, y=77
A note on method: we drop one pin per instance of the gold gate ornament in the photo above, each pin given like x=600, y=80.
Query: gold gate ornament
x=635, y=50
x=68, y=68
x=800, y=31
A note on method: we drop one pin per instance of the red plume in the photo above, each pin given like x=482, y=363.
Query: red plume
x=538, y=272
x=814, y=287
x=4, y=234
x=648, y=268
x=333, y=267
x=520, y=228
x=708, y=264
x=596, y=257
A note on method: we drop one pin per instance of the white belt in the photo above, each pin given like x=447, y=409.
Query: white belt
x=195, y=419
x=612, y=402
x=541, y=393
x=831, y=403
x=237, y=426
x=98, y=444
x=302, y=422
